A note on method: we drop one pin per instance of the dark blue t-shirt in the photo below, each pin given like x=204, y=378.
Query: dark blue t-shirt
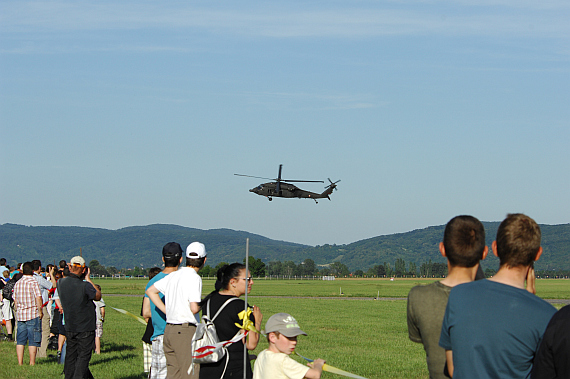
x=493, y=329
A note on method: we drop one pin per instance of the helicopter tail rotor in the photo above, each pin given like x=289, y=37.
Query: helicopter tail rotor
x=332, y=184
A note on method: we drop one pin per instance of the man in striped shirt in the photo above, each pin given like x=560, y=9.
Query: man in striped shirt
x=28, y=305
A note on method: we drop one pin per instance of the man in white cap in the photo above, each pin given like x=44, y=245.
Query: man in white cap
x=183, y=289
x=76, y=296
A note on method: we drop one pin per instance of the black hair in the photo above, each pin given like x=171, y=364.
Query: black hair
x=172, y=260
x=36, y=264
x=464, y=241
x=224, y=275
x=2, y=261
x=154, y=271
x=195, y=262
x=62, y=264
x=28, y=268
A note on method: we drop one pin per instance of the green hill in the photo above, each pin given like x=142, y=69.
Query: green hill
x=133, y=246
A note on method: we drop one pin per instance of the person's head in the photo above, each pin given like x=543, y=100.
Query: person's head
x=518, y=241
x=28, y=268
x=2, y=261
x=172, y=254
x=77, y=265
x=463, y=241
x=37, y=265
x=234, y=278
x=282, y=330
x=196, y=255
x=57, y=275
x=6, y=273
x=62, y=264
x=98, y=287
x=153, y=272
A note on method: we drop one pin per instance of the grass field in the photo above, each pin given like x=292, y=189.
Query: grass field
x=366, y=337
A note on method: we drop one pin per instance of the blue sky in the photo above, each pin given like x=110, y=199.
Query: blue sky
x=115, y=114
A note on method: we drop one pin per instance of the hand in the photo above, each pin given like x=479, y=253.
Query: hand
x=317, y=364
x=257, y=314
x=51, y=270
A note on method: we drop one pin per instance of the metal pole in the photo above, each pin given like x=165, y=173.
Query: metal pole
x=245, y=362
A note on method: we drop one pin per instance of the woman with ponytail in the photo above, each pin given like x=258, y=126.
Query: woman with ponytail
x=233, y=281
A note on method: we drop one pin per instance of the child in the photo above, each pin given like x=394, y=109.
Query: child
x=274, y=362
x=100, y=309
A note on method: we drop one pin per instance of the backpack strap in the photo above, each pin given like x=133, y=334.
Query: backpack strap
x=219, y=310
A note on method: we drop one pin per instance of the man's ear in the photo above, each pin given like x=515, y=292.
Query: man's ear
x=494, y=248
x=538, y=254
x=442, y=249
x=485, y=252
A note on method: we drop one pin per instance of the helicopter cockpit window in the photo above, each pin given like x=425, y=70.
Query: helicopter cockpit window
x=260, y=186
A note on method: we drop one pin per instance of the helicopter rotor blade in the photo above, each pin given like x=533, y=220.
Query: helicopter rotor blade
x=257, y=177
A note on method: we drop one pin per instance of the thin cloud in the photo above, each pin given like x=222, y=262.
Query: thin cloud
x=294, y=20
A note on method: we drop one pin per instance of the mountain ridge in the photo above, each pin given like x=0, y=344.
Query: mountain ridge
x=133, y=246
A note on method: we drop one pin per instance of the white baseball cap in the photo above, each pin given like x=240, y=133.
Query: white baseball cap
x=196, y=250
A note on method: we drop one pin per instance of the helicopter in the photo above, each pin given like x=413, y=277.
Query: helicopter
x=279, y=188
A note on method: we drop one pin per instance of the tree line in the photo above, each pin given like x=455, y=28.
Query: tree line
x=308, y=268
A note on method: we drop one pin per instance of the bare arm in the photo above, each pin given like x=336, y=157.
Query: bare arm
x=253, y=338
x=39, y=304
x=146, y=312
x=102, y=314
x=449, y=357
x=316, y=369
x=88, y=280
x=194, y=307
x=52, y=277
x=153, y=295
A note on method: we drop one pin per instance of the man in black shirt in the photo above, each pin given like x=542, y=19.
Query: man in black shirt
x=76, y=296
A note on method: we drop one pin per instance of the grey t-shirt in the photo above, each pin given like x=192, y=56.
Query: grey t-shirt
x=426, y=308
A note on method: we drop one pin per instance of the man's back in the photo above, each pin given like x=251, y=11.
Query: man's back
x=493, y=329
x=76, y=298
x=426, y=307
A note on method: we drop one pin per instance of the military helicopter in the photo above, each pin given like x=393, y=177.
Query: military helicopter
x=279, y=188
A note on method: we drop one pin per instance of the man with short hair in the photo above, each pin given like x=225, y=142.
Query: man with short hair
x=464, y=246
x=76, y=296
x=172, y=258
x=492, y=328
x=45, y=286
x=3, y=267
x=28, y=305
x=183, y=289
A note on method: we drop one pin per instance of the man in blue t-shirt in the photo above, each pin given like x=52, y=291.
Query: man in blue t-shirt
x=492, y=328
x=172, y=257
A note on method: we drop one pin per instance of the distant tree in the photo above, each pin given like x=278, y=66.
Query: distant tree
x=359, y=273
x=275, y=268
x=112, y=270
x=206, y=271
x=307, y=267
x=325, y=271
x=489, y=272
x=256, y=267
x=214, y=272
x=399, y=267
x=413, y=269
x=339, y=269
x=289, y=268
x=389, y=271
x=96, y=269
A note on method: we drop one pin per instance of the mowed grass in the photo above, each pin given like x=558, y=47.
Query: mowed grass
x=368, y=288
x=366, y=337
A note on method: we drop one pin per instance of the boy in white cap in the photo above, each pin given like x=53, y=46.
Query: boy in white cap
x=274, y=362
x=183, y=289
